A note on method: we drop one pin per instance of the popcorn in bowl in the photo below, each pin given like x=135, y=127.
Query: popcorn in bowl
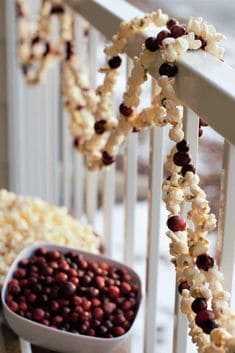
x=25, y=221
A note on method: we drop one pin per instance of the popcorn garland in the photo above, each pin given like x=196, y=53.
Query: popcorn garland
x=98, y=135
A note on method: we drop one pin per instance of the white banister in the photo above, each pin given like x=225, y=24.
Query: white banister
x=109, y=177
x=154, y=231
x=92, y=177
x=200, y=72
x=227, y=225
x=191, y=129
x=130, y=190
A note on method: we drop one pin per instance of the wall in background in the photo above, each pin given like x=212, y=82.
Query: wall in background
x=3, y=103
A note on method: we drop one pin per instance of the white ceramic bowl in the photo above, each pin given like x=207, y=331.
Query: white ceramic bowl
x=59, y=340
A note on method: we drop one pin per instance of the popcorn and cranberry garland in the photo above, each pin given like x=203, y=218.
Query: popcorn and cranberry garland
x=98, y=135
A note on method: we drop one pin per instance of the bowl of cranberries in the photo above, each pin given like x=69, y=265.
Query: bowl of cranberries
x=69, y=300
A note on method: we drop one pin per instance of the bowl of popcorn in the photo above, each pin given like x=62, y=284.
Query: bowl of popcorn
x=26, y=221
x=72, y=301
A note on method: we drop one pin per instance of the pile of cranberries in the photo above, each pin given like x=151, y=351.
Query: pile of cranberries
x=67, y=292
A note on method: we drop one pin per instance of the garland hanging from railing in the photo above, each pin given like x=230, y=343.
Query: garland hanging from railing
x=98, y=134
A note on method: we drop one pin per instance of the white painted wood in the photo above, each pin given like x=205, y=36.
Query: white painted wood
x=130, y=196
x=92, y=177
x=78, y=165
x=14, y=95
x=200, y=72
x=78, y=193
x=191, y=129
x=130, y=189
x=227, y=225
x=108, y=204
x=52, y=99
x=154, y=229
x=25, y=346
x=67, y=161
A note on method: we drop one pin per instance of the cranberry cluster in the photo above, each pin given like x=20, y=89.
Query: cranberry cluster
x=174, y=30
x=66, y=292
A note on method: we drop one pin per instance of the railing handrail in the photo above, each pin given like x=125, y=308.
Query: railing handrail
x=205, y=84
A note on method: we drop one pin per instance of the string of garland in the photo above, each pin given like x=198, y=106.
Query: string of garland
x=98, y=134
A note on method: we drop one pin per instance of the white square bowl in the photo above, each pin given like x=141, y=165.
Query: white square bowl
x=55, y=339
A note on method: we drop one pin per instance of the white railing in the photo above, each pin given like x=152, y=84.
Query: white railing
x=42, y=161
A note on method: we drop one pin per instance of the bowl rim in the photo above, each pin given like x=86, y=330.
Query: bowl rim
x=31, y=249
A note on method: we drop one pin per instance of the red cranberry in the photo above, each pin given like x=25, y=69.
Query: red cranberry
x=125, y=288
x=76, y=142
x=161, y=36
x=182, y=146
x=13, y=306
x=61, y=277
x=64, y=266
x=119, y=319
x=24, y=263
x=38, y=314
x=54, y=255
x=74, y=280
x=31, y=298
x=98, y=313
x=54, y=265
x=77, y=300
x=104, y=266
x=126, y=111
x=200, y=132
x=176, y=223
x=96, y=323
x=113, y=292
x=24, y=283
x=67, y=289
x=199, y=304
x=57, y=10
x=100, y=126
x=14, y=289
x=203, y=42
x=13, y=282
x=91, y=332
x=95, y=302
x=101, y=331
x=168, y=69
x=48, y=271
x=205, y=262
x=86, y=304
x=23, y=306
x=54, y=305
x=69, y=50
x=188, y=168
x=45, y=322
x=100, y=281
x=171, y=22
x=9, y=298
x=182, y=286
x=63, y=302
x=202, y=122
x=118, y=331
x=151, y=44
x=181, y=159
x=126, y=305
x=115, y=62
x=208, y=326
x=57, y=320
x=107, y=159
x=109, y=308
x=177, y=31
x=203, y=316
x=41, y=252
x=130, y=315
